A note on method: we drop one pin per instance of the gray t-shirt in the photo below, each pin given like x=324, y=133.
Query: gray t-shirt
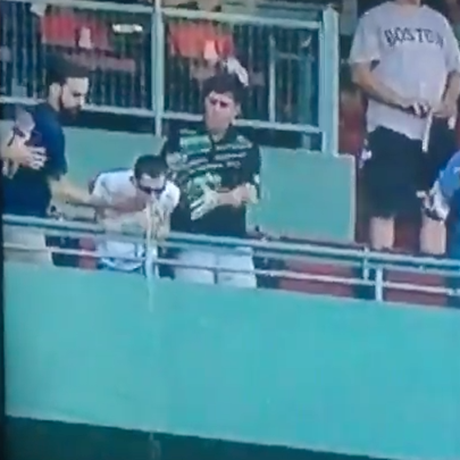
x=414, y=49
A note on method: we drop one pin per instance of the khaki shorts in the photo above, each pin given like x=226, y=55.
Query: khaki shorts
x=32, y=245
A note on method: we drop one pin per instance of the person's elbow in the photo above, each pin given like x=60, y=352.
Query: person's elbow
x=361, y=75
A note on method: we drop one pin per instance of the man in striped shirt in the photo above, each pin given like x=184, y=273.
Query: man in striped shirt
x=219, y=178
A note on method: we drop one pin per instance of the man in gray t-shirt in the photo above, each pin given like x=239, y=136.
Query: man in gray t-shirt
x=406, y=59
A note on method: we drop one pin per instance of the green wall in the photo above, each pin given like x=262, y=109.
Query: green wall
x=259, y=366
x=304, y=194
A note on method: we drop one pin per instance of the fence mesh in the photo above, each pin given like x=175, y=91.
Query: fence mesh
x=275, y=59
x=114, y=46
x=281, y=62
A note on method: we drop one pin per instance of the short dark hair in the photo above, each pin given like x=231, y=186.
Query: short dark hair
x=224, y=83
x=151, y=165
x=59, y=69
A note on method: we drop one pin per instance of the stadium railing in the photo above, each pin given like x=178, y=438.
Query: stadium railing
x=365, y=269
x=292, y=63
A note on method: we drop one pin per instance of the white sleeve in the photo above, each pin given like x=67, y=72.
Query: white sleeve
x=175, y=194
x=100, y=186
x=171, y=198
x=366, y=42
x=451, y=49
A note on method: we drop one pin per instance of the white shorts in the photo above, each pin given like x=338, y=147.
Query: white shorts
x=27, y=245
x=210, y=267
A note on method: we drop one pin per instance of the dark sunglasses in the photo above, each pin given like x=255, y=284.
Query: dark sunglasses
x=219, y=103
x=150, y=190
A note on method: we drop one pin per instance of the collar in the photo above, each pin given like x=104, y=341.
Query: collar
x=229, y=136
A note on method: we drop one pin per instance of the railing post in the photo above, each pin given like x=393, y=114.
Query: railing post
x=378, y=284
x=329, y=81
x=158, y=66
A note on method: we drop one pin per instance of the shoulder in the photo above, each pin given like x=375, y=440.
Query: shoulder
x=377, y=14
x=46, y=119
x=172, y=190
x=114, y=180
x=434, y=15
x=243, y=142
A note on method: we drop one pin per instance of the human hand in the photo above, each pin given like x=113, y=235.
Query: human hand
x=242, y=194
x=417, y=107
x=17, y=153
x=434, y=204
x=447, y=109
x=206, y=203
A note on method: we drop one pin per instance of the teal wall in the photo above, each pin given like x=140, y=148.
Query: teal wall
x=304, y=194
x=260, y=366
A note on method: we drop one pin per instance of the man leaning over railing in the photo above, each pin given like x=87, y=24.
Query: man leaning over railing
x=219, y=178
x=147, y=182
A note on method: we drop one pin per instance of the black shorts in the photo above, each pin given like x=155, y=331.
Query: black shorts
x=398, y=168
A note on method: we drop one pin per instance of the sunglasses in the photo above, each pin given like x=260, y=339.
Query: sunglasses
x=150, y=190
x=219, y=103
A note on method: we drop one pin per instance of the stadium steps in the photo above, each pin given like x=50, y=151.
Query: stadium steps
x=345, y=274
x=412, y=297
x=337, y=289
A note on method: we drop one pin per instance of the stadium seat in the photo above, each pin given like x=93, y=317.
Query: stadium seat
x=85, y=261
x=411, y=297
x=345, y=274
x=87, y=244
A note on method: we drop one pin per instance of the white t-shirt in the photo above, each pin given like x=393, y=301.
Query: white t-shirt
x=415, y=50
x=118, y=186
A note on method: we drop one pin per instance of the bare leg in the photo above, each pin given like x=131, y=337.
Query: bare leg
x=382, y=232
x=432, y=236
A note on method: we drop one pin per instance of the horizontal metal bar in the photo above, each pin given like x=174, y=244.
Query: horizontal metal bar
x=28, y=101
x=278, y=274
x=181, y=13
x=321, y=249
x=94, y=5
x=147, y=113
x=285, y=23
x=298, y=128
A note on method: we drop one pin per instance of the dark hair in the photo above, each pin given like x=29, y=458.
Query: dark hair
x=224, y=83
x=152, y=165
x=59, y=69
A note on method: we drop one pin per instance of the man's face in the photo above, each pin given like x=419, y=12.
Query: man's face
x=149, y=186
x=73, y=94
x=220, y=111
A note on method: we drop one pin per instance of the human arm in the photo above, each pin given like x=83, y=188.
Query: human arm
x=248, y=192
x=165, y=206
x=63, y=189
x=448, y=106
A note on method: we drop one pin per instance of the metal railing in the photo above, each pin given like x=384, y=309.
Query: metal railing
x=361, y=262
x=143, y=63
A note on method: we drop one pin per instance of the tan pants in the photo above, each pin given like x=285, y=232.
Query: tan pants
x=32, y=245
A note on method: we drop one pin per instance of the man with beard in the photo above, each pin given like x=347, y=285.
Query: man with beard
x=34, y=164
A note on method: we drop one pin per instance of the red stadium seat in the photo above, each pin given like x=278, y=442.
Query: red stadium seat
x=343, y=287
x=88, y=244
x=87, y=262
x=337, y=289
x=62, y=28
x=411, y=297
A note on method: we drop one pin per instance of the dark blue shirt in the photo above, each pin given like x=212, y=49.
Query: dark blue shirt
x=27, y=193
